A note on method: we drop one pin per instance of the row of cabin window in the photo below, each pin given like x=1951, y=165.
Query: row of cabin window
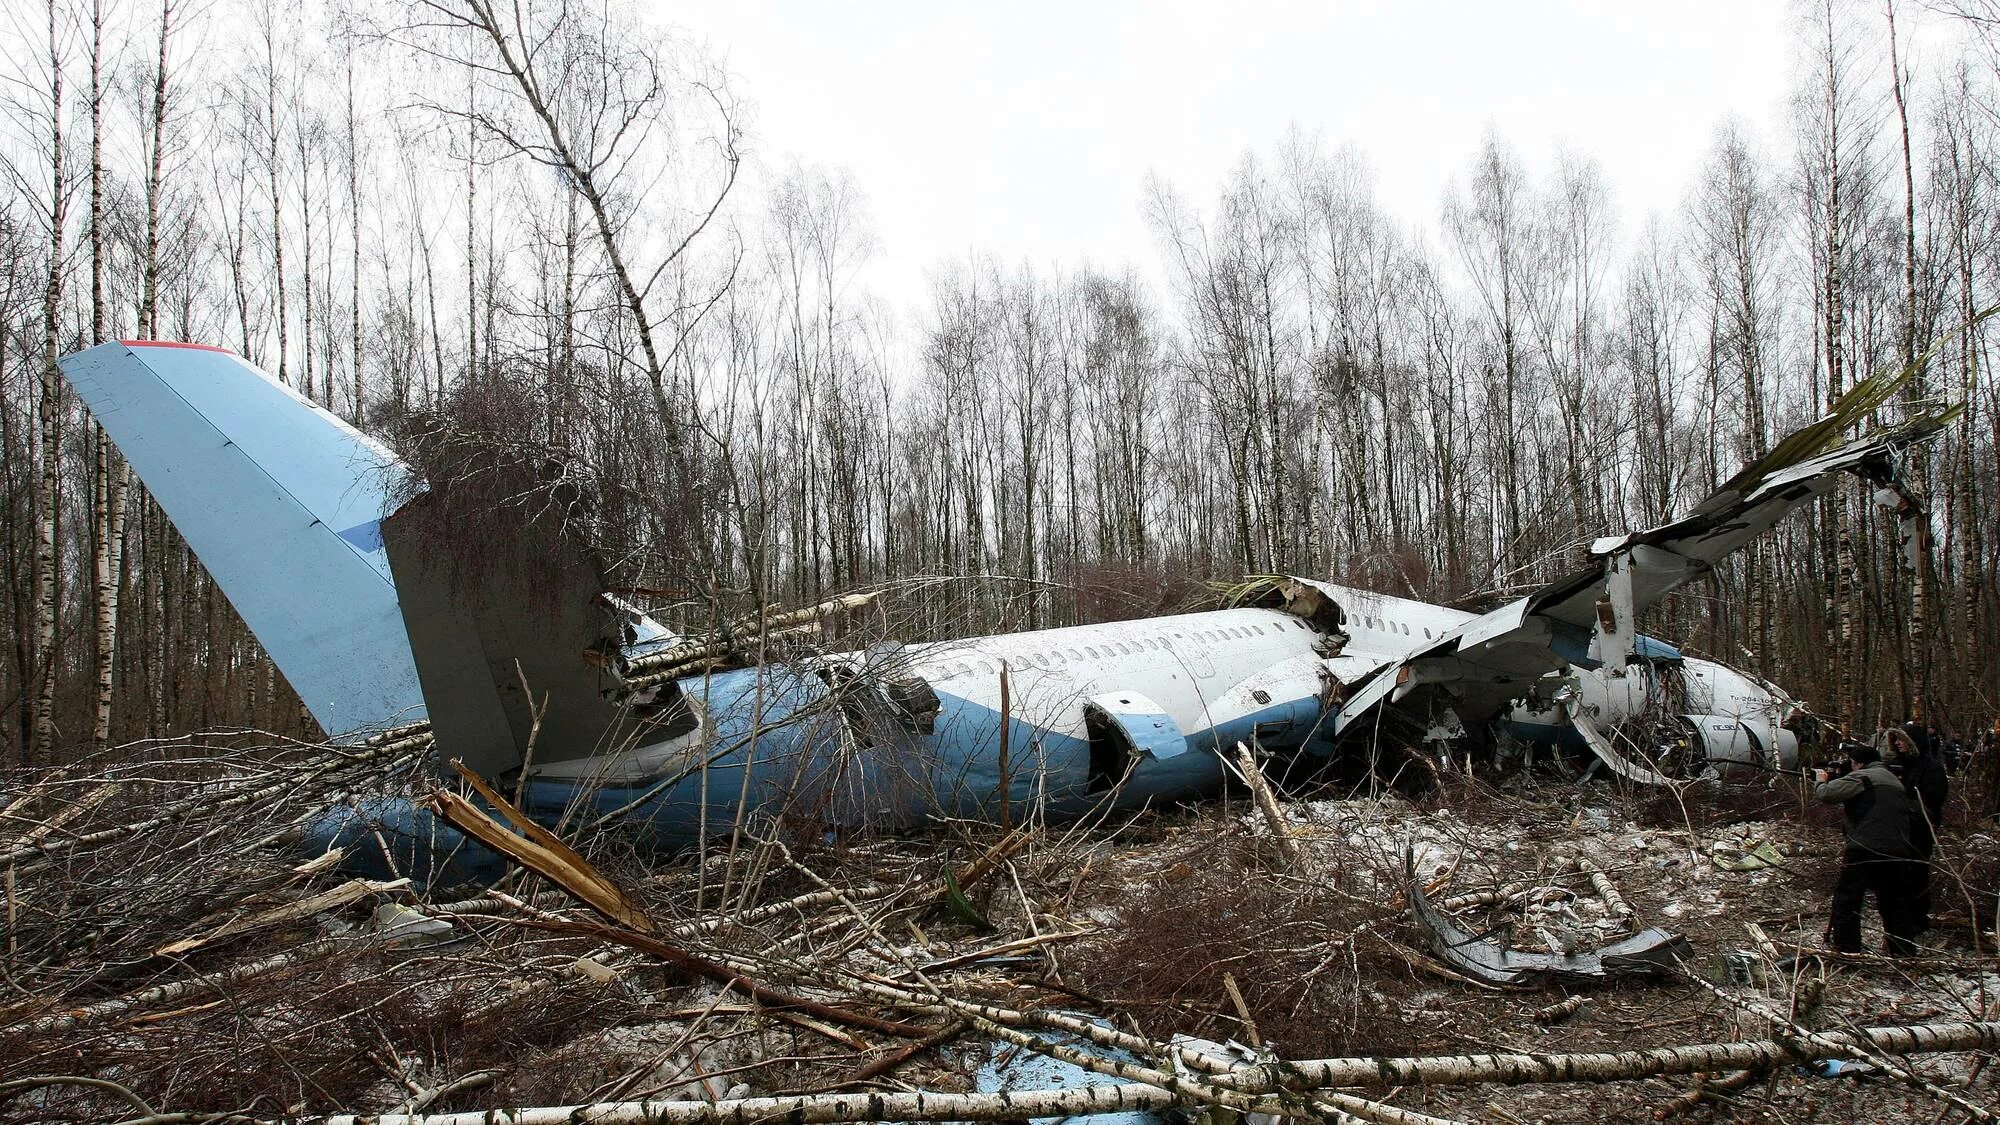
x=1110, y=648
x=1391, y=626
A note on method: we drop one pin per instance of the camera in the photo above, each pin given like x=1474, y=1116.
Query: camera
x=1840, y=765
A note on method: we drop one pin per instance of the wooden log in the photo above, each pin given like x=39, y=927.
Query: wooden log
x=1601, y=883
x=34, y=854
x=537, y=849
x=1376, y=1073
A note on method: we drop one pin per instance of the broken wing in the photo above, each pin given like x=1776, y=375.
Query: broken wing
x=1588, y=618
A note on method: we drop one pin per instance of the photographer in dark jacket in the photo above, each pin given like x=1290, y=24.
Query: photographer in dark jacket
x=1917, y=760
x=1879, y=857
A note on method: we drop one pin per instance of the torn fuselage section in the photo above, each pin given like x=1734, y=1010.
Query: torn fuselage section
x=1673, y=718
x=1315, y=603
x=1124, y=728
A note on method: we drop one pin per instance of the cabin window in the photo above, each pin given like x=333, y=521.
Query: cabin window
x=1075, y=655
x=1090, y=651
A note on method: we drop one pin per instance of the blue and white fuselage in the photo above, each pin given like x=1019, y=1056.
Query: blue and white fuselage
x=288, y=506
x=1116, y=716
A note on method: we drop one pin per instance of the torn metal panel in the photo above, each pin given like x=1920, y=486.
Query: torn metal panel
x=1612, y=644
x=1315, y=603
x=1650, y=951
x=1010, y=1069
x=638, y=634
x=1608, y=754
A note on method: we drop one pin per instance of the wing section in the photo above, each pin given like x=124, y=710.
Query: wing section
x=1589, y=617
x=282, y=501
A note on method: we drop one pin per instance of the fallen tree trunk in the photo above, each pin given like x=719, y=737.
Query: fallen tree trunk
x=1267, y=803
x=34, y=854
x=1294, y=1077
x=697, y=965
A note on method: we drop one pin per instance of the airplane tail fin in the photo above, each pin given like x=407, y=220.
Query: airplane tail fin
x=283, y=503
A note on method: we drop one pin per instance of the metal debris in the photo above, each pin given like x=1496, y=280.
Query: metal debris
x=1650, y=951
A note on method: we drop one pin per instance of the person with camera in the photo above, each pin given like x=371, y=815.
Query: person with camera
x=1880, y=855
x=1914, y=755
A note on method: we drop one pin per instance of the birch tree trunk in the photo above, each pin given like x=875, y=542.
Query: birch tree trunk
x=1321, y=1074
x=269, y=17
x=107, y=487
x=1913, y=647
x=48, y=492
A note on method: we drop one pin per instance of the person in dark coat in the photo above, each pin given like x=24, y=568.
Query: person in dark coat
x=1917, y=761
x=1879, y=857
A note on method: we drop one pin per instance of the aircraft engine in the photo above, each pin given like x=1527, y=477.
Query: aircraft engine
x=1724, y=740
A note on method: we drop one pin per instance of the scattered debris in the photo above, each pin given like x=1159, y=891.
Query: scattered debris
x=1561, y=1009
x=1650, y=951
x=1166, y=966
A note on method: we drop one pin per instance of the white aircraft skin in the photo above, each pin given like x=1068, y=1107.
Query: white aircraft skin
x=1204, y=673
x=1117, y=715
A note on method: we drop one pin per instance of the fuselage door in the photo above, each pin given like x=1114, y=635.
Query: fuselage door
x=1193, y=652
x=1143, y=724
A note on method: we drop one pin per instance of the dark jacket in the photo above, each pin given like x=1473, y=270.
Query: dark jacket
x=1926, y=775
x=1878, y=807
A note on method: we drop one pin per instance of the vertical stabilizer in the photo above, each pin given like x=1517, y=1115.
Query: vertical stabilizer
x=282, y=501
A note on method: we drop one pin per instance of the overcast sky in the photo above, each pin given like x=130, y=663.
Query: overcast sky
x=1027, y=129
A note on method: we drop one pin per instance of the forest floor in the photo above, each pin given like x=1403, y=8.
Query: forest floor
x=163, y=943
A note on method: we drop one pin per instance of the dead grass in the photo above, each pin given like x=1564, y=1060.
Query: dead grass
x=1303, y=950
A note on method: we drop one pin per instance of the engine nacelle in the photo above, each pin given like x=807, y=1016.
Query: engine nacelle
x=1725, y=741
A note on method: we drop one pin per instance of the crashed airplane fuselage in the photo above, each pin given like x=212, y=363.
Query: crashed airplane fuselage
x=298, y=517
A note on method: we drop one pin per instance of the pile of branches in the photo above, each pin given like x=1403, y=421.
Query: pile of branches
x=173, y=955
